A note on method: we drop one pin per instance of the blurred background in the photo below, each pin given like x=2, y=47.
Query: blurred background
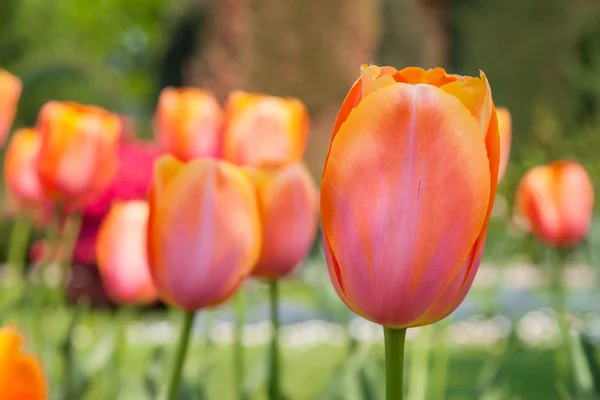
x=542, y=58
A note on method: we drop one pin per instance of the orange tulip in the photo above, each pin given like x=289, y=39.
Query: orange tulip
x=556, y=201
x=79, y=151
x=289, y=210
x=407, y=192
x=189, y=123
x=21, y=375
x=264, y=130
x=203, y=231
x=121, y=253
x=10, y=91
x=505, y=131
x=20, y=167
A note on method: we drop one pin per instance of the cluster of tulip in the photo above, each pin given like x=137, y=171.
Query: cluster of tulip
x=412, y=152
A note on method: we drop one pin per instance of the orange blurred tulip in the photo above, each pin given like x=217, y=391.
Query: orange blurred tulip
x=505, y=131
x=121, y=253
x=79, y=151
x=203, y=232
x=288, y=201
x=189, y=123
x=264, y=130
x=21, y=375
x=10, y=91
x=407, y=192
x=556, y=201
x=20, y=167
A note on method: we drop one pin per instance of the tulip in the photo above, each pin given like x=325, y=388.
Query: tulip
x=505, y=132
x=78, y=155
x=203, y=238
x=10, y=91
x=20, y=167
x=406, y=195
x=556, y=202
x=189, y=123
x=121, y=253
x=407, y=191
x=203, y=232
x=21, y=375
x=264, y=130
x=288, y=204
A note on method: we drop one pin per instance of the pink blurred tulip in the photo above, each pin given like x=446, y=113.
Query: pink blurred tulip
x=121, y=254
x=10, y=91
x=20, y=167
x=288, y=201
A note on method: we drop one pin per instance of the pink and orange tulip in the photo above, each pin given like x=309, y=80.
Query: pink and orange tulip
x=556, y=201
x=121, y=253
x=21, y=374
x=203, y=231
x=189, y=123
x=79, y=151
x=505, y=131
x=20, y=168
x=264, y=130
x=407, y=192
x=10, y=91
x=288, y=201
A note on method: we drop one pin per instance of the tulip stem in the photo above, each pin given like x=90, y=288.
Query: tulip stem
x=274, y=385
x=238, y=344
x=17, y=251
x=182, y=345
x=69, y=238
x=394, y=362
x=559, y=296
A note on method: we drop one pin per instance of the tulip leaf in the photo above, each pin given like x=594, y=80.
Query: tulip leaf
x=590, y=352
x=584, y=382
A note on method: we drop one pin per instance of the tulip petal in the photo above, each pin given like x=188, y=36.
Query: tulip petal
x=210, y=233
x=381, y=206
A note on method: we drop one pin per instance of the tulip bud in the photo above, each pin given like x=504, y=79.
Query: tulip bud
x=21, y=375
x=264, y=130
x=556, y=202
x=189, y=123
x=121, y=253
x=20, y=168
x=407, y=192
x=203, y=231
x=78, y=155
x=505, y=132
x=10, y=91
x=288, y=204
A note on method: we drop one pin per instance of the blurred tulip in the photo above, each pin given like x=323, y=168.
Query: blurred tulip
x=288, y=201
x=264, y=130
x=189, y=123
x=10, y=91
x=505, y=131
x=20, y=167
x=556, y=202
x=78, y=155
x=121, y=253
x=203, y=231
x=21, y=375
x=407, y=192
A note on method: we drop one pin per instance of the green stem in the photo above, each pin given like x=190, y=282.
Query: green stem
x=238, y=344
x=274, y=384
x=69, y=238
x=559, y=296
x=394, y=362
x=182, y=345
x=17, y=251
x=441, y=361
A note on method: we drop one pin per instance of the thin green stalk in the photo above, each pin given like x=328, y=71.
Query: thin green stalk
x=559, y=297
x=274, y=366
x=238, y=344
x=394, y=362
x=17, y=250
x=182, y=345
x=419, y=364
x=68, y=239
x=441, y=361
